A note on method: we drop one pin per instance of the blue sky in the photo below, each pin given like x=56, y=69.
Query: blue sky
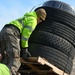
x=13, y=9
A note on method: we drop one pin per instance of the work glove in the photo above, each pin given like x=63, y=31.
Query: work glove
x=25, y=53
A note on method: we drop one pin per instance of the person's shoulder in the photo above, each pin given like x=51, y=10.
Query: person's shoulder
x=31, y=14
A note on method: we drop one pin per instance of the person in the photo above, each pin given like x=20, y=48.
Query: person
x=15, y=35
x=4, y=70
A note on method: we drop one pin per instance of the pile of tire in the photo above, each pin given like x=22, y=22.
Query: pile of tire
x=54, y=38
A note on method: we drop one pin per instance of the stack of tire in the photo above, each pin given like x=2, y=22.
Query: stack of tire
x=54, y=38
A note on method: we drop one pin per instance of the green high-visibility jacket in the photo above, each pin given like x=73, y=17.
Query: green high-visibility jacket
x=26, y=25
x=4, y=70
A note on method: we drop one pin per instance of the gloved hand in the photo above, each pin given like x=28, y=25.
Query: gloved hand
x=25, y=53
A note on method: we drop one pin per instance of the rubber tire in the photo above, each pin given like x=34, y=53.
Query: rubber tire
x=58, y=29
x=52, y=40
x=60, y=5
x=57, y=58
x=60, y=16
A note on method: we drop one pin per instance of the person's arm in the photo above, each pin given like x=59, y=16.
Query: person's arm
x=30, y=25
x=27, y=30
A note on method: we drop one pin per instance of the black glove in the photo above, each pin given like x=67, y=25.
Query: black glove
x=25, y=53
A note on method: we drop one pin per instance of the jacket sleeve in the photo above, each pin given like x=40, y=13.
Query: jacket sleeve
x=30, y=25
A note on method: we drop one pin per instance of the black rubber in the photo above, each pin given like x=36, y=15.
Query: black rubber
x=60, y=5
x=60, y=16
x=54, y=38
x=54, y=41
x=57, y=58
x=58, y=29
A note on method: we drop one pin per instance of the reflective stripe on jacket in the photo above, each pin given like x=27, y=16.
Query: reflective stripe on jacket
x=26, y=25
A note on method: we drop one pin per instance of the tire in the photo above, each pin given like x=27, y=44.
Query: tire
x=60, y=5
x=57, y=58
x=56, y=33
x=58, y=29
x=60, y=16
x=52, y=40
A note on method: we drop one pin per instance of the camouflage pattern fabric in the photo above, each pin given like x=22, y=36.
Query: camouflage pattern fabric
x=10, y=43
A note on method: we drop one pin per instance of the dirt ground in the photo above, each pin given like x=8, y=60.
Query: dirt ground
x=73, y=70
